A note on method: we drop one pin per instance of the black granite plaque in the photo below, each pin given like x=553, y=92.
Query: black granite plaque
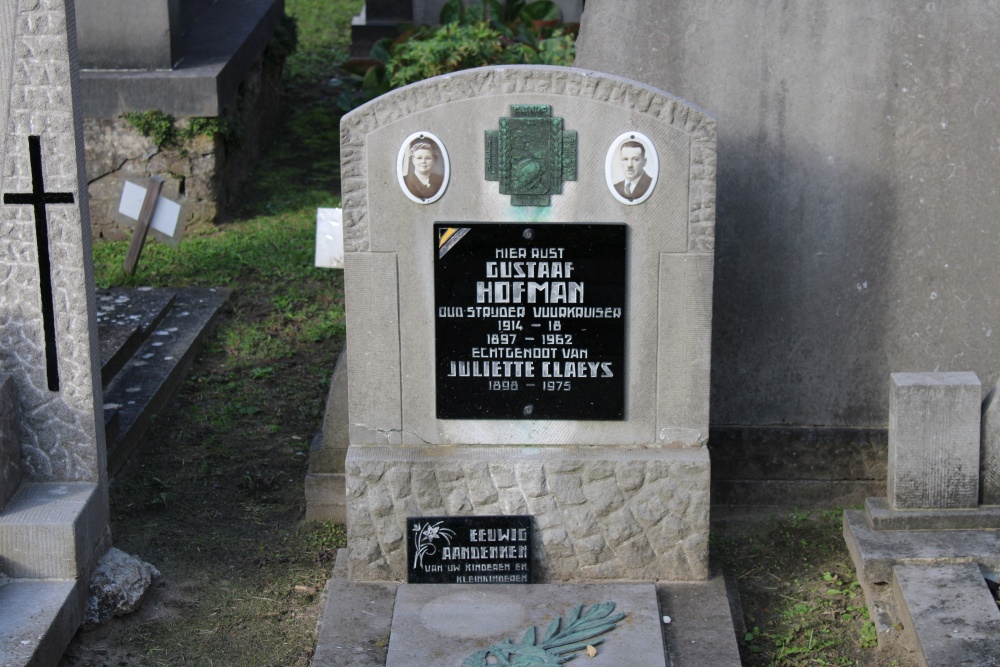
x=530, y=321
x=468, y=550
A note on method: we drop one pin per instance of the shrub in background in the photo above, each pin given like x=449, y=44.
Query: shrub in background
x=493, y=33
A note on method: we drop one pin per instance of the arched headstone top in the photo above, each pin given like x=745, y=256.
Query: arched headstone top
x=574, y=94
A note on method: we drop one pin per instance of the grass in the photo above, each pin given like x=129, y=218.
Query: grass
x=215, y=498
x=802, y=602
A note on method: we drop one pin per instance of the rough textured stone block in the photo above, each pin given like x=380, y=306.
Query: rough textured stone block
x=54, y=531
x=934, y=440
x=989, y=450
x=10, y=447
x=608, y=529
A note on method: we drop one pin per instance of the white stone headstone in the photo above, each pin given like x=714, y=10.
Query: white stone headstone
x=602, y=439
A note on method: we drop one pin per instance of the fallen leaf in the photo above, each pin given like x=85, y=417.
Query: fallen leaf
x=591, y=651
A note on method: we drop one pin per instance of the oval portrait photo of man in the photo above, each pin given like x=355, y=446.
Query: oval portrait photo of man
x=423, y=168
x=631, y=168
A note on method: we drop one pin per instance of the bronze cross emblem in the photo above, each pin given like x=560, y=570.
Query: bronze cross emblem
x=531, y=155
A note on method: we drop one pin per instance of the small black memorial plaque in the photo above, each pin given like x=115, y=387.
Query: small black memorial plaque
x=530, y=321
x=468, y=550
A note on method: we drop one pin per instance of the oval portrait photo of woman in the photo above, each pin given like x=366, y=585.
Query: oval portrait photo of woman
x=631, y=168
x=423, y=168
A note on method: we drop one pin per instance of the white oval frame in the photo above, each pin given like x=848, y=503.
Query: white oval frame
x=613, y=172
x=403, y=164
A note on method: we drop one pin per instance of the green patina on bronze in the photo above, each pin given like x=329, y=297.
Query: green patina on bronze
x=563, y=637
x=531, y=155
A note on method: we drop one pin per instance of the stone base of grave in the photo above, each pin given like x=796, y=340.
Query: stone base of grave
x=600, y=513
x=404, y=625
x=924, y=575
x=225, y=72
x=148, y=339
x=37, y=620
x=51, y=537
x=326, y=498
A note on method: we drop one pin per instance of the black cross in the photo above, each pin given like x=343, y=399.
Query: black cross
x=38, y=198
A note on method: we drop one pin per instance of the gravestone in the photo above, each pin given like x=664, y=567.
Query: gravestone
x=525, y=336
x=924, y=552
x=54, y=529
x=934, y=440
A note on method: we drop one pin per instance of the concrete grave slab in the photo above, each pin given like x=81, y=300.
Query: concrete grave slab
x=875, y=553
x=440, y=624
x=700, y=631
x=882, y=516
x=124, y=319
x=952, y=612
x=167, y=348
x=47, y=616
x=354, y=629
x=934, y=440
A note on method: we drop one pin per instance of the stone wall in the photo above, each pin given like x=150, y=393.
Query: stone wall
x=598, y=513
x=857, y=201
x=208, y=172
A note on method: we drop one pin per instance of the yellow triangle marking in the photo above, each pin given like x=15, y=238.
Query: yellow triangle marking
x=445, y=235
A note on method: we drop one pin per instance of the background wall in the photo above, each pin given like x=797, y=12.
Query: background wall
x=857, y=225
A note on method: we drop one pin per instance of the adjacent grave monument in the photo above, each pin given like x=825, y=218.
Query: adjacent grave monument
x=856, y=215
x=528, y=267
x=54, y=528
x=924, y=552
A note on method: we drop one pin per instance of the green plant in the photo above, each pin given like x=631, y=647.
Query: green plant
x=155, y=124
x=165, y=131
x=494, y=33
x=869, y=635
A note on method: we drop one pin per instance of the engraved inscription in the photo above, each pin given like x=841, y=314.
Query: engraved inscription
x=530, y=321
